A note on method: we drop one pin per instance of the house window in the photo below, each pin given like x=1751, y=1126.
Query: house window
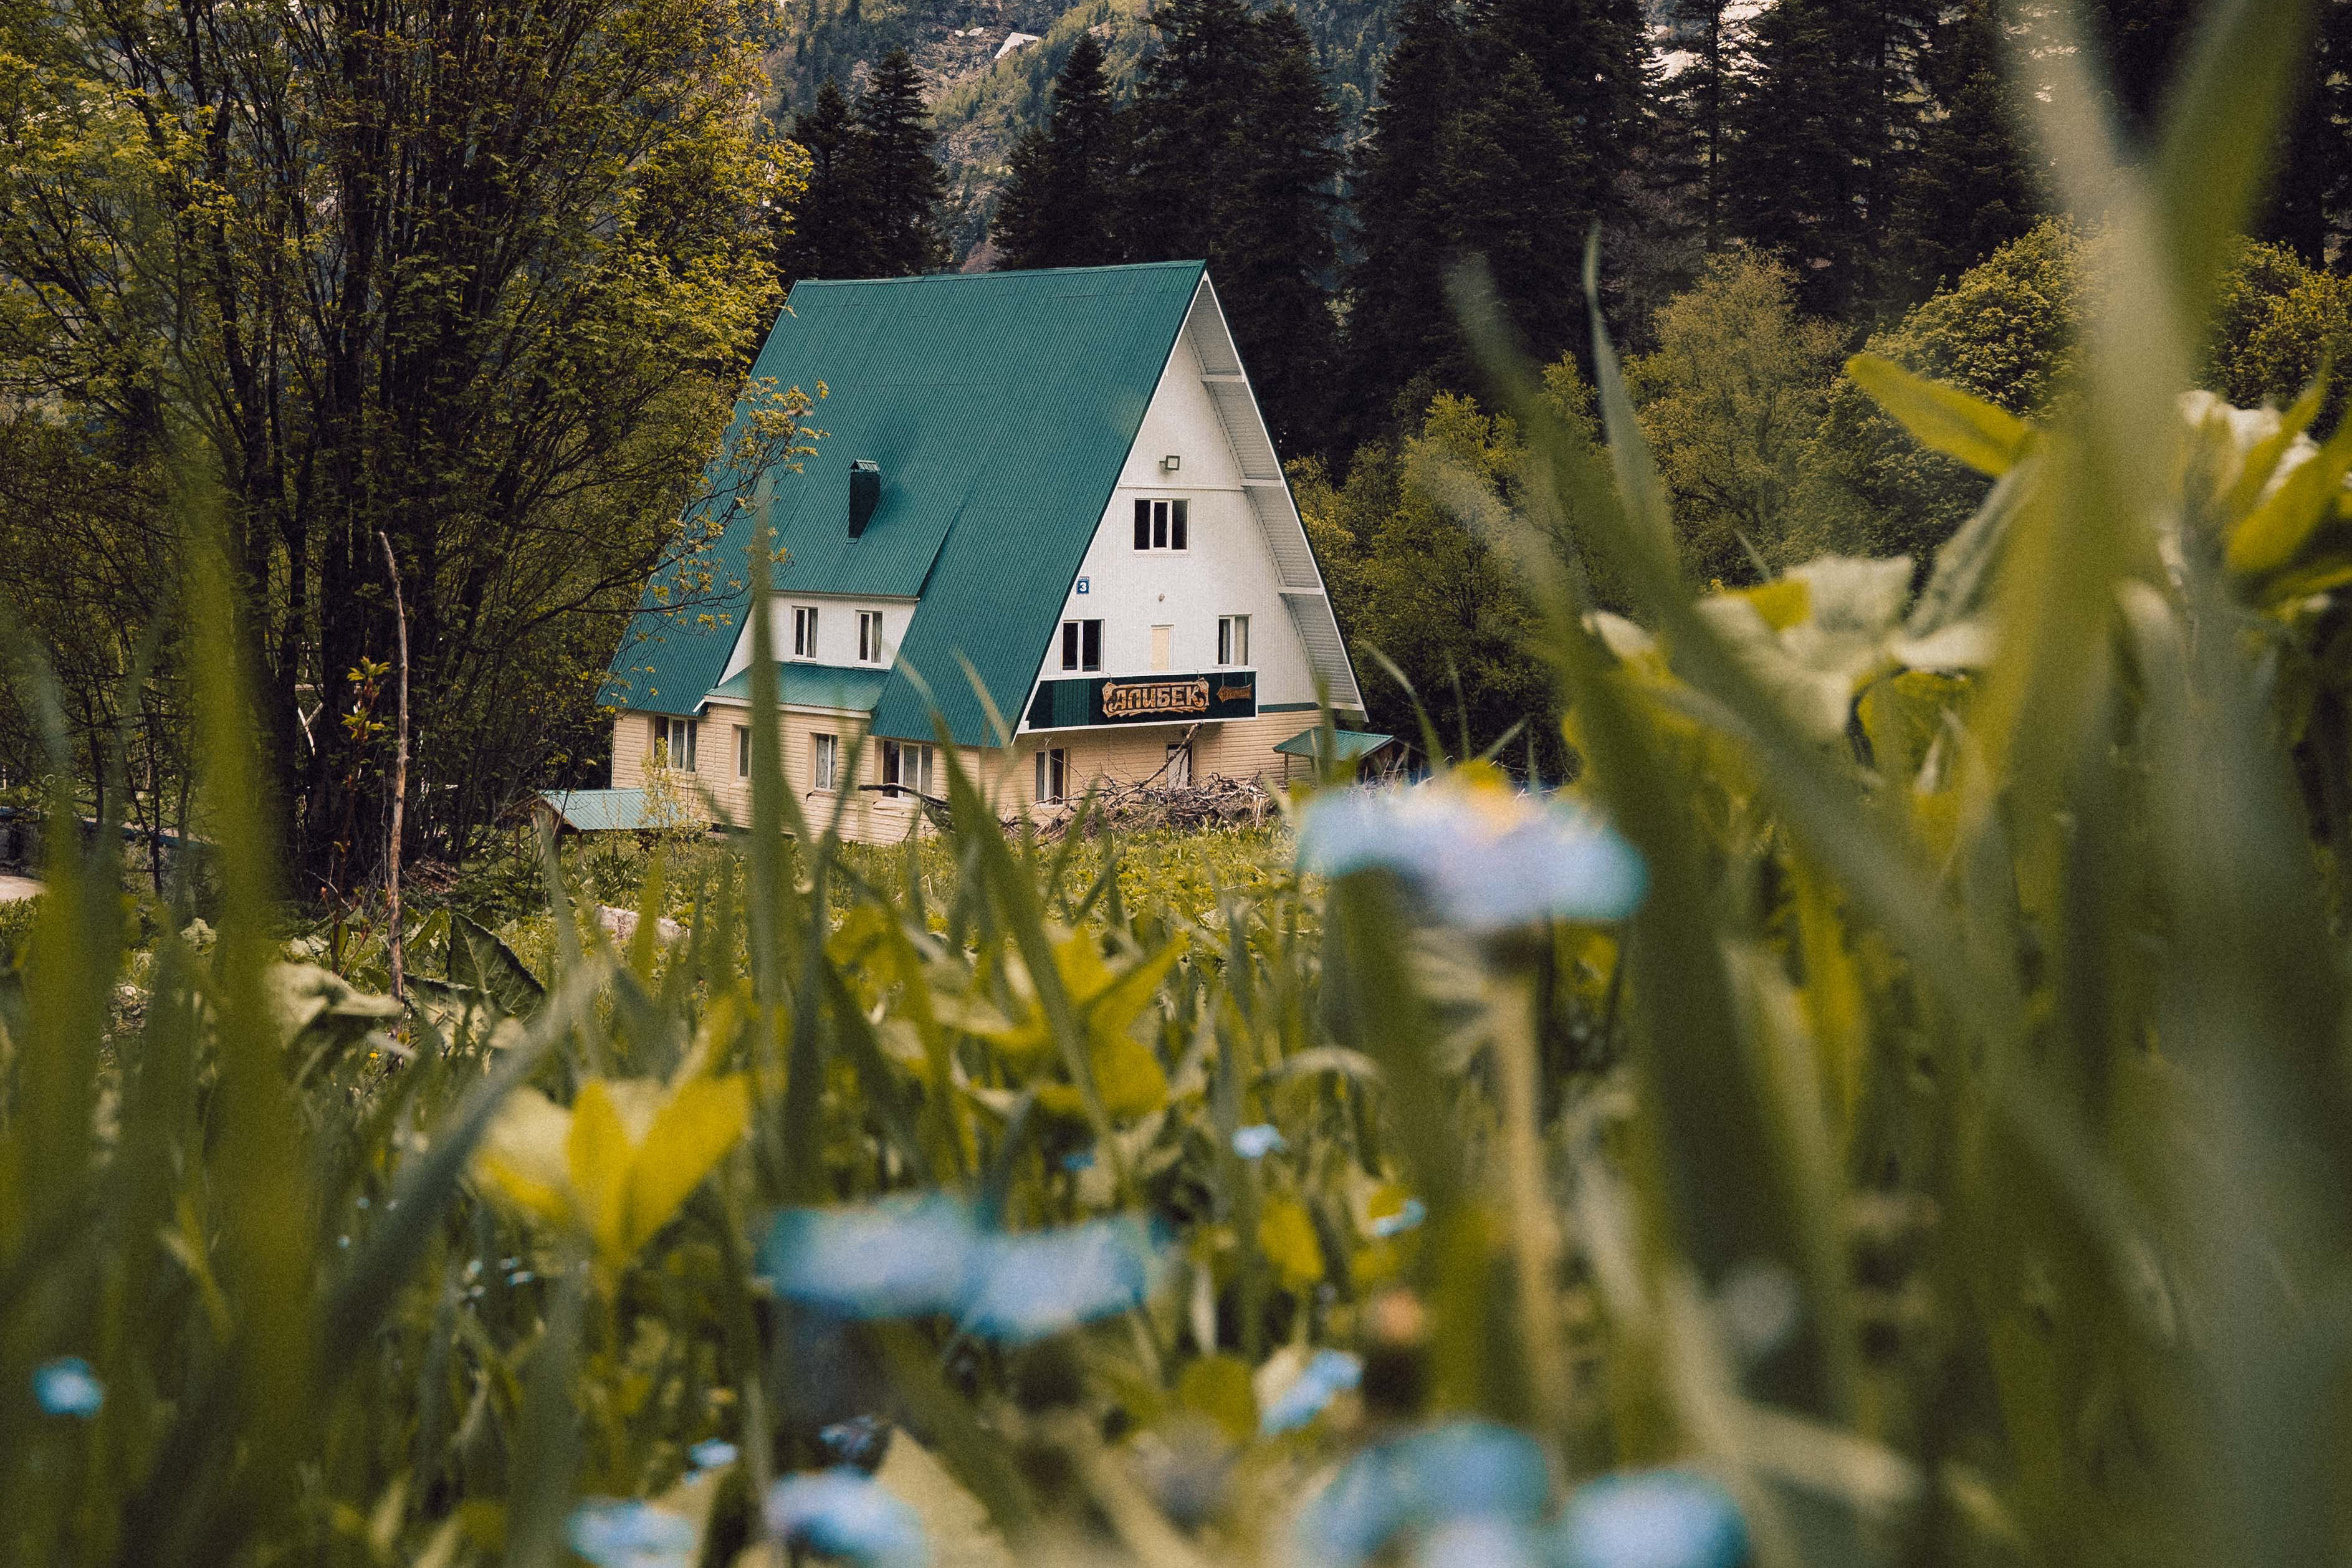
x=1159, y=525
x=803, y=631
x=1163, y=645
x=908, y=765
x=742, y=752
x=1232, y=639
x=824, y=762
x=1053, y=773
x=1081, y=645
x=869, y=637
x=1178, y=773
x=674, y=743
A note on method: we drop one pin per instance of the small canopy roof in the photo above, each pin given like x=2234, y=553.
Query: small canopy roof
x=1349, y=745
x=597, y=810
x=852, y=689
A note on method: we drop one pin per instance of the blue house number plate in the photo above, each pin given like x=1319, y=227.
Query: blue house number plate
x=1083, y=585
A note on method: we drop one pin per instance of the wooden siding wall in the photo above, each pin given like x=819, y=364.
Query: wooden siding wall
x=1238, y=749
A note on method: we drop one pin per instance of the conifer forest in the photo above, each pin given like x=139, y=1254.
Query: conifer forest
x=1774, y=991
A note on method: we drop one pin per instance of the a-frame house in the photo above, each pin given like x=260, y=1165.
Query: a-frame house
x=1045, y=508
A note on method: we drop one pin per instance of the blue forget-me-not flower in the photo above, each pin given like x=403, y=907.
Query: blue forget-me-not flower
x=614, y=1533
x=67, y=1386
x=1326, y=1377
x=1481, y=856
x=902, y=1258
x=843, y=1512
x=1651, y=1518
x=1257, y=1142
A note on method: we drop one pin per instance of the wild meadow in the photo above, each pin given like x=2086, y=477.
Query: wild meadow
x=1891, y=1107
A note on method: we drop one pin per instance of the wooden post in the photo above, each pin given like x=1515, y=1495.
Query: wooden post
x=399, y=772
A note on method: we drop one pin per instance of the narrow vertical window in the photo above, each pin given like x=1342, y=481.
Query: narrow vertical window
x=803, y=631
x=690, y=728
x=1177, y=770
x=869, y=637
x=1159, y=525
x=1143, y=525
x=1052, y=773
x=742, y=752
x=1232, y=639
x=1176, y=524
x=1081, y=645
x=824, y=762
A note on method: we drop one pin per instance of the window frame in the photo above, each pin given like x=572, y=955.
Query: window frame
x=824, y=763
x=869, y=637
x=671, y=736
x=1162, y=525
x=1054, y=773
x=1233, y=642
x=804, y=631
x=897, y=754
x=1082, y=642
x=743, y=751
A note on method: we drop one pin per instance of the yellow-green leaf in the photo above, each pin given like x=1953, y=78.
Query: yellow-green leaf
x=2275, y=531
x=1961, y=424
x=1218, y=1387
x=1129, y=1078
x=695, y=1128
x=1286, y=1236
x=596, y=1152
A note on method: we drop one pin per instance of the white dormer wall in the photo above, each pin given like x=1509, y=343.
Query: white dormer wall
x=1229, y=566
x=836, y=630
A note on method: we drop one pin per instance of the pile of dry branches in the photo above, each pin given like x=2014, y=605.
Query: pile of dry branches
x=1213, y=801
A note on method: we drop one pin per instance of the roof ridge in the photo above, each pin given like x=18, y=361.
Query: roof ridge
x=995, y=275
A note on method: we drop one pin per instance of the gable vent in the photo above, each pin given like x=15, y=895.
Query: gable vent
x=864, y=495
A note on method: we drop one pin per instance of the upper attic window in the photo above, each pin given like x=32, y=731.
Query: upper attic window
x=1160, y=525
x=803, y=631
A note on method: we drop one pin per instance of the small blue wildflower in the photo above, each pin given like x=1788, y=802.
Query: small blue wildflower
x=712, y=1454
x=1405, y=1218
x=1325, y=1377
x=1462, y=1472
x=521, y=1276
x=1471, y=1468
x=1028, y=1285
x=859, y=1442
x=1480, y=1540
x=362, y=1201
x=845, y=1513
x=614, y=1533
x=1651, y=1518
x=896, y=1258
x=1257, y=1142
x=1079, y=1160
x=343, y=1241
x=1485, y=860
x=67, y=1386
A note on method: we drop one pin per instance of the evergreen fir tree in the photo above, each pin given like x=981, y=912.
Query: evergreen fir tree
x=1512, y=174
x=1592, y=58
x=831, y=231
x=1694, y=105
x=2140, y=40
x=1820, y=130
x=1059, y=207
x=903, y=184
x=1971, y=190
x=1397, y=323
x=1189, y=129
x=1276, y=245
x=2311, y=206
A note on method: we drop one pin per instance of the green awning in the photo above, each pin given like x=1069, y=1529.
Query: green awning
x=852, y=688
x=1351, y=746
x=598, y=810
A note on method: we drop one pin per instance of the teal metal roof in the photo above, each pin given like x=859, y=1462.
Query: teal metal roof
x=1351, y=746
x=853, y=688
x=599, y=810
x=999, y=407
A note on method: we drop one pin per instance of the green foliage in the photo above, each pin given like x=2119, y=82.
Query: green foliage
x=1728, y=398
x=1059, y=203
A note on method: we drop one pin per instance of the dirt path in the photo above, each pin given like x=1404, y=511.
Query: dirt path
x=11, y=888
